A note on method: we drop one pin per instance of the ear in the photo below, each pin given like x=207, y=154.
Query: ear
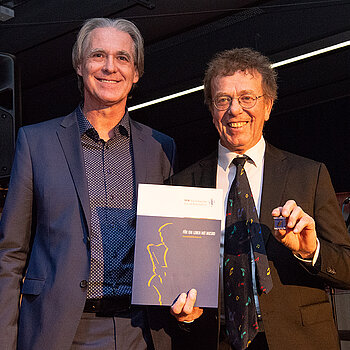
x=136, y=76
x=211, y=111
x=268, y=108
x=79, y=70
x=212, y=115
x=211, y=108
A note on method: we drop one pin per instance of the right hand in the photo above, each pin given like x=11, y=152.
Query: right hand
x=183, y=308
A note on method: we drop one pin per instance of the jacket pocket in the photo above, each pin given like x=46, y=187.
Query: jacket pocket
x=32, y=286
x=315, y=313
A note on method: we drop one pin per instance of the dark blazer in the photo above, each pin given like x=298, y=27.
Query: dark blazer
x=296, y=313
x=45, y=228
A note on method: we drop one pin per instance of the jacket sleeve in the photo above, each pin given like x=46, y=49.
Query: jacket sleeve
x=15, y=238
x=334, y=258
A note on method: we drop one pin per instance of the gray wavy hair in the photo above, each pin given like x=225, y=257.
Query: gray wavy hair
x=120, y=24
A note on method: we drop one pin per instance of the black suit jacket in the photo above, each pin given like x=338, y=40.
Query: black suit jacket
x=296, y=313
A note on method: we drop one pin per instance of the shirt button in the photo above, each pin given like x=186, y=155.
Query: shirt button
x=331, y=270
x=109, y=171
x=83, y=284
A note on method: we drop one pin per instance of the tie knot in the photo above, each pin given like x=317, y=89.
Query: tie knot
x=240, y=161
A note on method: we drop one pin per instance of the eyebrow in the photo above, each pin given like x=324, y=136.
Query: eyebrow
x=243, y=92
x=95, y=50
x=119, y=53
x=125, y=53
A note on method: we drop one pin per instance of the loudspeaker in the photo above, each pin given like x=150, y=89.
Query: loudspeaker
x=8, y=112
x=7, y=136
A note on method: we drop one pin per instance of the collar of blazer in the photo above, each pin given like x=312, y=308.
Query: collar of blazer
x=273, y=189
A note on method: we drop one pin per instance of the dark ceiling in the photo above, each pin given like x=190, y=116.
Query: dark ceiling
x=311, y=116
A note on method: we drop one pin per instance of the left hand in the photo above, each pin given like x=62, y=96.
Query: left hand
x=300, y=233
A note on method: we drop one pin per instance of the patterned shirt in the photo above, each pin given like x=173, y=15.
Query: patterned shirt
x=111, y=182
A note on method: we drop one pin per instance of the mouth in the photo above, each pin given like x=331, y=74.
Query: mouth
x=107, y=81
x=237, y=125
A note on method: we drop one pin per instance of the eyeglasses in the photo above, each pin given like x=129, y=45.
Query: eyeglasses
x=246, y=101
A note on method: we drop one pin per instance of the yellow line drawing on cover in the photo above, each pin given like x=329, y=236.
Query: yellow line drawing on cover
x=157, y=254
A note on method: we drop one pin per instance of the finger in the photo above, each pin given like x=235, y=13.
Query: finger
x=277, y=211
x=196, y=313
x=288, y=207
x=305, y=221
x=199, y=311
x=295, y=216
x=280, y=234
x=285, y=210
x=177, y=307
x=190, y=300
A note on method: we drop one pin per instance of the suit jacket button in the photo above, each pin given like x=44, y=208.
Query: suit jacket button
x=331, y=270
x=83, y=284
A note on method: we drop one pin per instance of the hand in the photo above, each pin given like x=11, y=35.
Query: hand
x=183, y=309
x=300, y=233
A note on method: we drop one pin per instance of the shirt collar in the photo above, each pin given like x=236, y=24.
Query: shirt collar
x=123, y=127
x=256, y=154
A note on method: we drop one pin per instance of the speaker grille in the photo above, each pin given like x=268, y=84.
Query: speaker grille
x=6, y=142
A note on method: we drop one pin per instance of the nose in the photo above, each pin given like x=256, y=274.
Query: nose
x=235, y=108
x=110, y=65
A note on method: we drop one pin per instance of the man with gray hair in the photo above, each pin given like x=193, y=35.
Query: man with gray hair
x=67, y=232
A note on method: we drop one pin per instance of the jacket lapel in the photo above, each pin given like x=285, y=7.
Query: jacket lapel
x=275, y=176
x=68, y=135
x=205, y=176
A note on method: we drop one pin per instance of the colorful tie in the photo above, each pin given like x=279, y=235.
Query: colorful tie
x=242, y=235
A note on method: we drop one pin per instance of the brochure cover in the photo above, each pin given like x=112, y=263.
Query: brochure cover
x=177, y=244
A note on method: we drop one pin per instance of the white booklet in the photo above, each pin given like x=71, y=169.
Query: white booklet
x=177, y=244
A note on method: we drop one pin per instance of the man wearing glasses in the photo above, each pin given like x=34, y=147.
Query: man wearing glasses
x=307, y=247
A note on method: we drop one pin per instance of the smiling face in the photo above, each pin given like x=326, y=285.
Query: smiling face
x=240, y=129
x=108, y=68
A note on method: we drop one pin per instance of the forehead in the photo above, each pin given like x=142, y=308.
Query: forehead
x=109, y=39
x=240, y=81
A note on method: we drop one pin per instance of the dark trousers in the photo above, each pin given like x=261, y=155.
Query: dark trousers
x=122, y=332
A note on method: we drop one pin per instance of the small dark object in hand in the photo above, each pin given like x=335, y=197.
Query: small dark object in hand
x=279, y=223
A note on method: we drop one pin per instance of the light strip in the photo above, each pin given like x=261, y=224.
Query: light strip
x=311, y=54
x=274, y=65
x=166, y=98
